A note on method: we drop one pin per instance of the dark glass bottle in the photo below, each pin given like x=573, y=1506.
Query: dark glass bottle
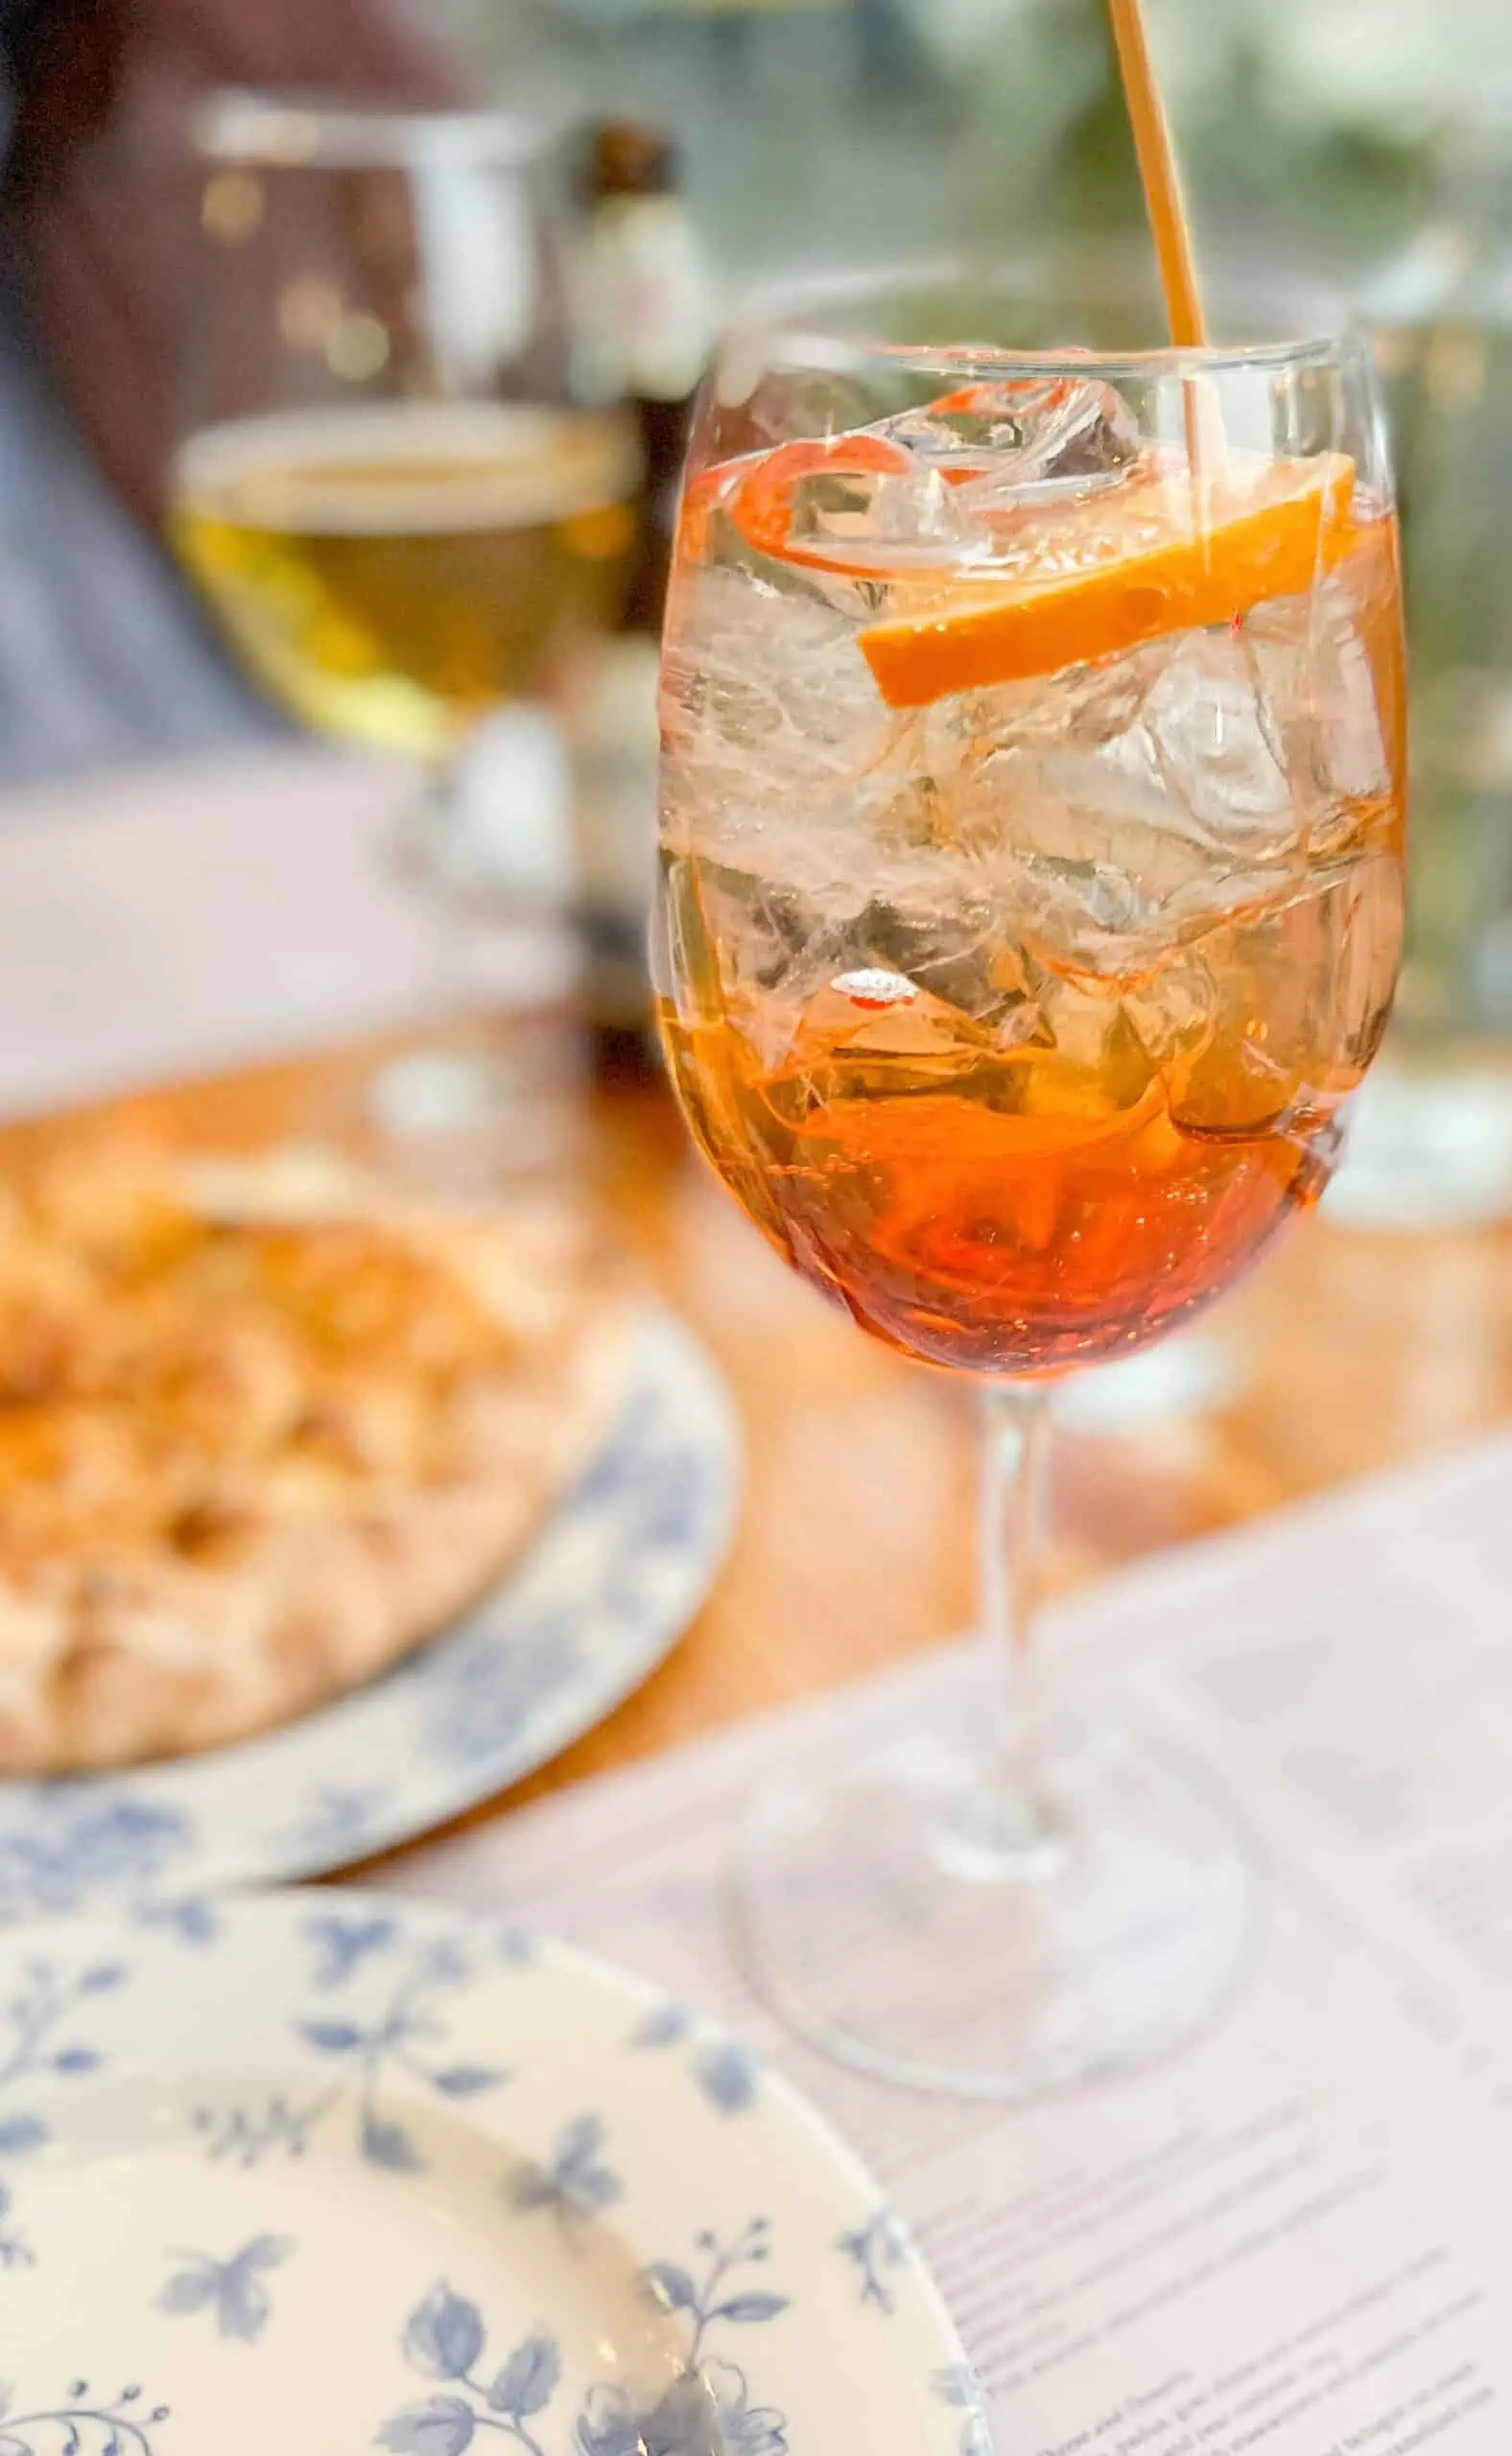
x=648, y=311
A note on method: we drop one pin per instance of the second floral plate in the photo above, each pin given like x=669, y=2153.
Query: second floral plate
x=333, y=2175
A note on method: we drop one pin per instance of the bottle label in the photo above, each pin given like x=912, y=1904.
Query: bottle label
x=649, y=295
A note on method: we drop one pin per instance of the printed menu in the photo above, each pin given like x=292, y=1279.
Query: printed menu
x=1294, y=2236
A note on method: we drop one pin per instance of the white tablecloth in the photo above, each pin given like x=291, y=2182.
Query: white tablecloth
x=183, y=919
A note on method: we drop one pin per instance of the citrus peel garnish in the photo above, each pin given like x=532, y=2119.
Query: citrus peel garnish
x=762, y=505
x=1202, y=551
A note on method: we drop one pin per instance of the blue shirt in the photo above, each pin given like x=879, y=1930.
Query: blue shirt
x=103, y=660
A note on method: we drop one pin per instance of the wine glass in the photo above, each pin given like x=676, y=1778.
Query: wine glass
x=397, y=490
x=1031, y=906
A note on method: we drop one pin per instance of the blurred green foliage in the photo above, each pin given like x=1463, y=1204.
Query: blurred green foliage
x=1051, y=154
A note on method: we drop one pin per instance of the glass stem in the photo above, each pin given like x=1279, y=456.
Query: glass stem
x=430, y=853
x=1014, y=1423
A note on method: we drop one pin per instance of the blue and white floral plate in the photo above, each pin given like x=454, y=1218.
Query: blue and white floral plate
x=338, y=2175
x=601, y=1597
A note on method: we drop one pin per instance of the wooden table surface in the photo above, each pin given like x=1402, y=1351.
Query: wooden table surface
x=856, y=1545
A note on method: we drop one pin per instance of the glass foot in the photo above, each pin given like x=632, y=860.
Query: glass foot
x=892, y=1919
x=461, y=1120
x=472, y=1111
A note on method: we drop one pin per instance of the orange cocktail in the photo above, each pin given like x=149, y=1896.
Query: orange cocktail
x=1031, y=907
x=1032, y=845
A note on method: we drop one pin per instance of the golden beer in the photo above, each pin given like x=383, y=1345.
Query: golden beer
x=395, y=570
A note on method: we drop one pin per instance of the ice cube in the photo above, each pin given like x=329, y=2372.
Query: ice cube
x=958, y=947
x=767, y=709
x=739, y=946
x=1082, y=850
x=1124, y=807
x=1300, y=995
x=871, y=518
x=987, y=452
x=847, y=1048
x=1026, y=433
x=1079, y=708
x=1088, y=920
x=1172, y=1013
x=1211, y=734
x=1320, y=685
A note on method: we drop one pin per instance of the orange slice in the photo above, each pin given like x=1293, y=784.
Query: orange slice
x=1158, y=553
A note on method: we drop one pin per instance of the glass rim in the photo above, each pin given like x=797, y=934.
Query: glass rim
x=261, y=129
x=791, y=321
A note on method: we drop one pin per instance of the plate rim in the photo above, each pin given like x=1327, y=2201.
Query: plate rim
x=939, y=2414
x=656, y=1331
x=696, y=1577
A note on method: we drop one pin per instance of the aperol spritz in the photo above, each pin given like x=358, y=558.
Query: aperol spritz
x=1030, y=906
x=1032, y=841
